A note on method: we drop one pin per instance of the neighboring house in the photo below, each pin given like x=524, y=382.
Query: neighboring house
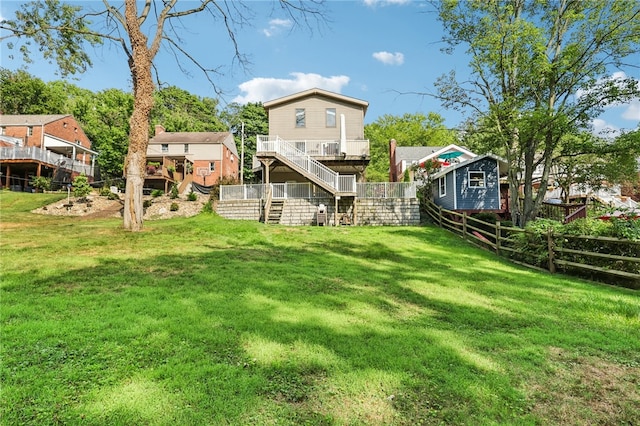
x=315, y=136
x=402, y=158
x=197, y=158
x=472, y=186
x=52, y=146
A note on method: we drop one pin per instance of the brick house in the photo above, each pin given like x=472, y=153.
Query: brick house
x=197, y=158
x=52, y=146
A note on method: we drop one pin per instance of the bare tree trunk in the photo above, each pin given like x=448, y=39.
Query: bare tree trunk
x=140, y=65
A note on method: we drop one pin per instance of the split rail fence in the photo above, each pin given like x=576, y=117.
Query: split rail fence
x=612, y=260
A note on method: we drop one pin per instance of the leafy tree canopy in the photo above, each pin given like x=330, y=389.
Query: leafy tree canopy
x=408, y=130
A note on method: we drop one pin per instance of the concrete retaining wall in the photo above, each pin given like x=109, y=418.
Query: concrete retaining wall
x=299, y=212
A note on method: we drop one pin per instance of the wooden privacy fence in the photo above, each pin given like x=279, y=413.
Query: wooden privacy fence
x=602, y=257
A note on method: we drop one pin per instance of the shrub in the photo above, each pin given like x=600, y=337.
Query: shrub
x=81, y=187
x=192, y=196
x=113, y=196
x=41, y=183
x=147, y=203
x=105, y=191
x=174, y=207
x=531, y=246
x=174, y=192
x=208, y=207
x=626, y=227
x=157, y=193
x=588, y=226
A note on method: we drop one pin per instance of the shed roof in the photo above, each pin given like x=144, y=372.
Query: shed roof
x=503, y=166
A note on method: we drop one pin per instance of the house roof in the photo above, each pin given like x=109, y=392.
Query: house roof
x=502, y=165
x=317, y=92
x=424, y=153
x=212, y=138
x=30, y=120
x=414, y=153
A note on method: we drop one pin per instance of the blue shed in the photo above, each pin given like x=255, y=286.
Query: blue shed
x=472, y=186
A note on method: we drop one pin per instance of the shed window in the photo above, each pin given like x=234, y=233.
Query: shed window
x=477, y=180
x=442, y=186
x=165, y=147
x=331, y=117
x=300, y=121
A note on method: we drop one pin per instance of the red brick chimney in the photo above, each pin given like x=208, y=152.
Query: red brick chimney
x=393, y=174
x=159, y=129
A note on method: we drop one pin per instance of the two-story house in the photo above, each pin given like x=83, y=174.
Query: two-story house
x=52, y=146
x=197, y=158
x=315, y=136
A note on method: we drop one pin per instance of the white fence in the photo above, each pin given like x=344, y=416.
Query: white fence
x=405, y=190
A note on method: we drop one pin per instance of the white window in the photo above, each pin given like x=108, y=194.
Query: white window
x=1, y=130
x=212, y=166
x=442, y=186
x=186, y=148
x=29, y=131
x=300, y=119
x=476, y=180
x=165, y=147
x=331, y=117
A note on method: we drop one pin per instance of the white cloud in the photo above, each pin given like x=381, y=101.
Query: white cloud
x=388, y=58
x=632, y=112
x=600, y=127
x=276, y=26
x=374, y=3
x=264, y=89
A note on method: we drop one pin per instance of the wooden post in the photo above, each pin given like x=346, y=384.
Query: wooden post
x=552, y=265
x=464, y=224
x=498, y=236
x=440, y=216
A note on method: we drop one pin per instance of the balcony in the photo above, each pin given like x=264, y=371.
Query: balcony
x=320, y=149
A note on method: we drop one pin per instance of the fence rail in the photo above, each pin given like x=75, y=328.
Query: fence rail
x=551, y=251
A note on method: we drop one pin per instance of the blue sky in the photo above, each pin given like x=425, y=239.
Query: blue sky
x=370, y=49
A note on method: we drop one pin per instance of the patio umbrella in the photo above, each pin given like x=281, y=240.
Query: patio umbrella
x=450, y=155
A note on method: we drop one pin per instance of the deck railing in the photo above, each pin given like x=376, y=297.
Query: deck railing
x=323, y=147
x=45, y=156
x=344, y=183
x=310, y=191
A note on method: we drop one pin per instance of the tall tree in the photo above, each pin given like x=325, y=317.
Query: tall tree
x=251, y=119
x=539, y=70
x=594, y=162
x=408, y=130
x=23, y=93
x=180, y=111
x=61, y=32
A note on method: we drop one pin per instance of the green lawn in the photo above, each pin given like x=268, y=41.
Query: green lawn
x=209, y=321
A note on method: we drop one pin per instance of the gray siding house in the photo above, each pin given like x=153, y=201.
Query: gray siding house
x=472, y=186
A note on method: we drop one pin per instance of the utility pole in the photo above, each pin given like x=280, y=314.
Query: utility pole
x=242, y=156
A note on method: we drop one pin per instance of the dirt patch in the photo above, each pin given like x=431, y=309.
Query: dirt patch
x=583, y=390
x=95, y=207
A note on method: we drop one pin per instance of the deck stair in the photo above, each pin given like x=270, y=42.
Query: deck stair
x=308, y=167
x=275, y=212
